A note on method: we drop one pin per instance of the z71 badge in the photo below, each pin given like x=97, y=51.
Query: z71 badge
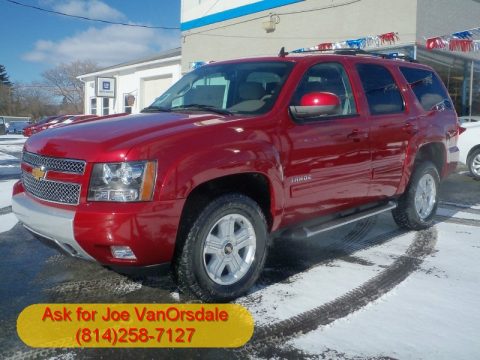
x=298, y=179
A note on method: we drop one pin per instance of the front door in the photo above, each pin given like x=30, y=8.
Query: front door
x=328, y=157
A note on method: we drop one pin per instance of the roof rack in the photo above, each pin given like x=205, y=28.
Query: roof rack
x=354, y=52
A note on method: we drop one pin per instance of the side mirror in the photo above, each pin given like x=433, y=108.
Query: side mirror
x=316, y=104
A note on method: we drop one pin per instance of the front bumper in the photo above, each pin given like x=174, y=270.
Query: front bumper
x=89, y=230
x=48, y=222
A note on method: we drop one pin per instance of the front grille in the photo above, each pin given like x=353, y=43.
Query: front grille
x=65, y=193
x=55, y=164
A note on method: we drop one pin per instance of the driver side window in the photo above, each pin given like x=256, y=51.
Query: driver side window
x=330, y=78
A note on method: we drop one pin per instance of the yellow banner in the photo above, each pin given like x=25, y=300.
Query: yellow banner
x=135, y=325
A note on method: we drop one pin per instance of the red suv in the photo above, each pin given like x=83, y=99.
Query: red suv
x=237, y=153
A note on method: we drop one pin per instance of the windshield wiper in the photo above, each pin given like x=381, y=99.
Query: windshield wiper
x=153, y=108
x=203, y=108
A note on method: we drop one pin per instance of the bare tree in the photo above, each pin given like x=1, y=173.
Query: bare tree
x=5, y=99
x=34, y=100
x=63, y=79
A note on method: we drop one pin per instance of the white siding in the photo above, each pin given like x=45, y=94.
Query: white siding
x=132, y=81
x=153, y=88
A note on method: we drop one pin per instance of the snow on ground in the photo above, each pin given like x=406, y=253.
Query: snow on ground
x=457, y=214
x=322, y=284
x=11, y=148
x=6, y=192
x=12, y=139
x=9, y=165
x=10, y=144
x=411, y=322
x=7, y=222
x=4, y=156
x=474, y=207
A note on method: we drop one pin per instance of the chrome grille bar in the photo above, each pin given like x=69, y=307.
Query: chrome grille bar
x=55, y=164
x=53, y=191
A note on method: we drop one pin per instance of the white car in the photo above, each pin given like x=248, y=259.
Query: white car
x=469, y=144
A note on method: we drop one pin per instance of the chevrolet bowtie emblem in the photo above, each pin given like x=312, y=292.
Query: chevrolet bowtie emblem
x=39, y=173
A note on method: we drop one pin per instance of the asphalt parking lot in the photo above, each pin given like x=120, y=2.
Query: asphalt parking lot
x=365, y=291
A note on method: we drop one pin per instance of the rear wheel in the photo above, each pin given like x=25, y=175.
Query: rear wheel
x=418, y=205
x=473, y=163
x=225, y=249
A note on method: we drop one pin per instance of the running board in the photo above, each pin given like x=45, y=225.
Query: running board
x=309, y=231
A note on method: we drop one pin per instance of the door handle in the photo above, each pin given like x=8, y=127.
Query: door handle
x=410, y=128
x=357, y=135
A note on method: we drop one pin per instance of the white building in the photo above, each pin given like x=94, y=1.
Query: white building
x=129, y=87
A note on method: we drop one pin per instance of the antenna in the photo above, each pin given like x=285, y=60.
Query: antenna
x=282, y=52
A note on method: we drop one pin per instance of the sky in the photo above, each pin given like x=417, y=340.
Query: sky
x=32, y=41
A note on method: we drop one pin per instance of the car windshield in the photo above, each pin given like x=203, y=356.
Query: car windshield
x=232, y=88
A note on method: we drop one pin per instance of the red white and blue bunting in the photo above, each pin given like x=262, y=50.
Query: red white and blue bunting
x=366, y=42
x=465, y=41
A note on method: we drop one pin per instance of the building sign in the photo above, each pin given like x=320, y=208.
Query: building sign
x=105, y=87
x=197, y=13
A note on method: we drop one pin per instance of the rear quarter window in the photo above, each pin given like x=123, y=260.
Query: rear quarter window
x=427, y=88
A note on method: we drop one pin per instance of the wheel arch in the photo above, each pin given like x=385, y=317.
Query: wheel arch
x=255, y=185
x=434, y=152
x=472, y=150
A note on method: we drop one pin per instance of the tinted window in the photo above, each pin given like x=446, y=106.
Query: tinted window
x=327, y=77
x=427, y=88
x=381, y=91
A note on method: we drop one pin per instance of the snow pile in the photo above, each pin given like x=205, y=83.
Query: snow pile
x=442, y=322
x=6, y=192
x=7, y=220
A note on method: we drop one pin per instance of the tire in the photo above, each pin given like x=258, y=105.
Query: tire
x=214, y=264
x=418, y=215
x=473, y=163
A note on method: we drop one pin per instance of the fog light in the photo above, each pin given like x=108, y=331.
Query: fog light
x=122, y=252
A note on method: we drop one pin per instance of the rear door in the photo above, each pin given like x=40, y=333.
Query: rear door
x=392, y=126
x=328, y=165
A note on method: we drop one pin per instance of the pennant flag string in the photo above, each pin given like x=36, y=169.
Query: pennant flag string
x=361, y=43
x=458, y=41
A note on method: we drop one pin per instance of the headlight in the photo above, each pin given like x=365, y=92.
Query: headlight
x=123, y=182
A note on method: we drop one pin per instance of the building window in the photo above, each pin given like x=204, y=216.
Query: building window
x=128, y=101
x=106, y=106
x=93, y=106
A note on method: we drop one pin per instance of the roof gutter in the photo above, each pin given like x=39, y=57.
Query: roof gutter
x=115, y=69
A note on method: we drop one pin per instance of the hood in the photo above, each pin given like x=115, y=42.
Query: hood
x=111, y=139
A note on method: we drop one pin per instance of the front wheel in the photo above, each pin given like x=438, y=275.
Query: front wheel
x=225, y=249
x=473, y=163
x=418, y=205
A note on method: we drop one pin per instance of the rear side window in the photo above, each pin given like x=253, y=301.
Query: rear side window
x=427, y=88
x=381, y=91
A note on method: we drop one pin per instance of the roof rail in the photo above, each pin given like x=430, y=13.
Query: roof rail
x=354, y=52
